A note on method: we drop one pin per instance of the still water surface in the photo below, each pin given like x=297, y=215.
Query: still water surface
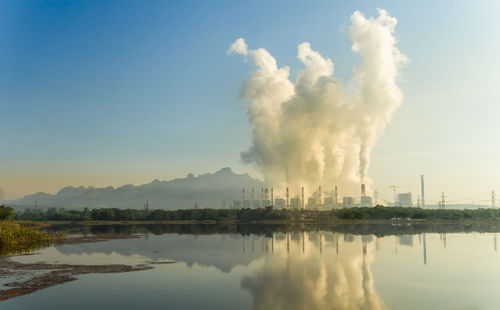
x=276, y=270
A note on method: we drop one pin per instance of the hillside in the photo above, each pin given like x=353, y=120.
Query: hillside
x=208, y=190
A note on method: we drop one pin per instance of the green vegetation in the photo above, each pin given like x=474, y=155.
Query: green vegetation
x=21, y=237
x=6, y=213
x=267, y=214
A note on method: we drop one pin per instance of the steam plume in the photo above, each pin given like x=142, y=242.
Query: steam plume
x=312, y=132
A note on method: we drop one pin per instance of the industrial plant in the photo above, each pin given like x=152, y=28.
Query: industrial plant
x=329, y=199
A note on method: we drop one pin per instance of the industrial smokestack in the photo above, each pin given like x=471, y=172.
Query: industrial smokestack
x=272, y=197
x=363, y=190
x=303, y=206
x=336, y=196
x=422, y=187
x=319, y=195
x=243, y=195
x=287, y=197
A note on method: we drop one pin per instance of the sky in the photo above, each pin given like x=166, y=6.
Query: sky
x=99, y=93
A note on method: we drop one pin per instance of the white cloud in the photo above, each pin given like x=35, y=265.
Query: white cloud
x=239, y=46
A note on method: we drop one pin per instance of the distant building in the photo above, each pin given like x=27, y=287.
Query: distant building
x=266, y=203
x=366, y=201
x=311, y=202
x=404, y=200
x=348, y=202
x=294, y=203
x=280, y=203
x=247, y=204
x=237, y=204
x=256, y=204
x=328, y=201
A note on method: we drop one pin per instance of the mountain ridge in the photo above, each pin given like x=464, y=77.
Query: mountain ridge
x=208, y=190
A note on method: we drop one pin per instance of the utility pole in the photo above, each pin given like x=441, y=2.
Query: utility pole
x=422, y=189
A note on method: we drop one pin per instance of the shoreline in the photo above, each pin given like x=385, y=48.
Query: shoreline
x=271, y=222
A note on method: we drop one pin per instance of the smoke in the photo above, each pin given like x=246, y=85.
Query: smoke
x=313, y=132
x=314, y=279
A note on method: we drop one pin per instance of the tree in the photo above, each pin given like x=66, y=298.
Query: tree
x=6, y=213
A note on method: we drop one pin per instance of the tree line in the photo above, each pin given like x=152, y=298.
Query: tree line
x=247, y=215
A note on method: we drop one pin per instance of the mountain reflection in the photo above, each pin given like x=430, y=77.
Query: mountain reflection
x=314, y=276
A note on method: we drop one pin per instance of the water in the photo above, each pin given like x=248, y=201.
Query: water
x=276, y=270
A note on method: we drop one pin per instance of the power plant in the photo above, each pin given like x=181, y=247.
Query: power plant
x=321, y=199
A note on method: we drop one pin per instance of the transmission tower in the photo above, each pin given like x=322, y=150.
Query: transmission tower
x=394, y=187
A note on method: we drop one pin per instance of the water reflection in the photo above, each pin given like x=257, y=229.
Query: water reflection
x=306, y=275
x=284, y=267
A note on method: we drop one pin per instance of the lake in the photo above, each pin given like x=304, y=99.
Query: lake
x=267, y=267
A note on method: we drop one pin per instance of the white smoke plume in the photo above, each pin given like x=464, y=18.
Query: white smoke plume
x=312, y=132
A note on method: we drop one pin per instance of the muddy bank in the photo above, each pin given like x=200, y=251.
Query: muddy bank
x=38, y=276
x=50, y=275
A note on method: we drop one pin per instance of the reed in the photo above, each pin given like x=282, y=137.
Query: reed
x=15, y=239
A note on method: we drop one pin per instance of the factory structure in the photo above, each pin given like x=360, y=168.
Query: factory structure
x=318, y=200
x=323, y=200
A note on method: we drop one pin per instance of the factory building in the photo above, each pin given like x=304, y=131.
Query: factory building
x=328, y=202
x=294, y=203
x=279, y=203
x=404, y=200
x=366, y=202
x=237, y=204
x=348, y=202
x=311, y=202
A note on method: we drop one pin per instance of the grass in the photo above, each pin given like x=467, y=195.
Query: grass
x=22, y=237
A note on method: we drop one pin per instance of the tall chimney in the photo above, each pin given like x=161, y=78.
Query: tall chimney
x=287, y=197
x=243, y=195
x=319, y=195
x=422, y=187
x=363, y=190
x=336, y=196
x=303, y=205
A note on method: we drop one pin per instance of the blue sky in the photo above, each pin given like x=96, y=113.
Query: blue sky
x=113, y=92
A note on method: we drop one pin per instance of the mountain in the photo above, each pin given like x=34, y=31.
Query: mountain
x=208, y=190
